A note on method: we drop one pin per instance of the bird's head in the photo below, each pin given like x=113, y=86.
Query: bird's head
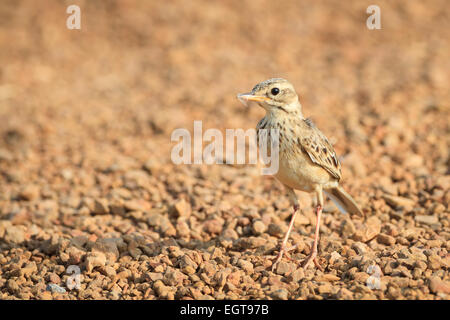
x=273, y=95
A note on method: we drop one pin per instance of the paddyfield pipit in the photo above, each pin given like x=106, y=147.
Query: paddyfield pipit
x=307, y=160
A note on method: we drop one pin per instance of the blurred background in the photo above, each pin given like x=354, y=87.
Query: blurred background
x=138, y=69
x=87, y=112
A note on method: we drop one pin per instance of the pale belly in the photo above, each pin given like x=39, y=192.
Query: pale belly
x=300, y=174
x=296, y=170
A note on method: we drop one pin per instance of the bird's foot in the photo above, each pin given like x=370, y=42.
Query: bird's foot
x=280, y=255
x=312, y=258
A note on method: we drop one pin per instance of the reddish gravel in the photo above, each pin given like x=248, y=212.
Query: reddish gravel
x=86, y=177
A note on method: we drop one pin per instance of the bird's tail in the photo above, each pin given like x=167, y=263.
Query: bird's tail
x=343, y=200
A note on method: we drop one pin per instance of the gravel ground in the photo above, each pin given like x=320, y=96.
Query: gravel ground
x=86, y=178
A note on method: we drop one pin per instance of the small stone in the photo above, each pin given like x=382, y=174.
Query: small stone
x=107, y=247
x=229, y=287
x=161, y=289
x=247, y=266
x=334, y=256
x=399, y=202
x=136, y=205
x=46, y=295
x=428, y=220
x=370, y=230
x=213, y=226
x=421, y=265
x=182, y=208
x=259, y=227
x=79, y=241
x=325, y=288
x=174, y=277
x=439, y=286
x=186, y=261
x=14, y=234
x=133, y=249
x=29, y=269
x=55, y=288
x=67, y=174
x=20, y=217
x=284, y=267
x=434, y=262
x=251, y=242
x=302, y=220
x=297, y=275
x=361, y=276
x=385, y=239
x=101, y=206
x=6, y=155
x=29, y=192
x=125, y=274
x=154, y=276
x=163, y=223
x=221, y=277
x=344, y=294
x=188, y=270
x=234, y=278
x=75, y=255
x=360, y=247
x=347, y=228
x=182, y=228
x=391, y=230
x=108, y=271
x=275, y=230
x=159, y=268
x=12, y=286
x=327, y=278
x=280, y=294
x=95, y=259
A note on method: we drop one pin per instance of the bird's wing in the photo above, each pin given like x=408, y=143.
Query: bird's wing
x=319, y=149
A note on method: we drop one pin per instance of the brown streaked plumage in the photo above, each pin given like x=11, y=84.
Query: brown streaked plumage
x=307, y=160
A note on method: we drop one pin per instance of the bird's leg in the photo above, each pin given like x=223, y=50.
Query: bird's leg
x=313, y=255
x=283, y=248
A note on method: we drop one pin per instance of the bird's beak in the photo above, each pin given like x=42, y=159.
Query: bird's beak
x=245, y=98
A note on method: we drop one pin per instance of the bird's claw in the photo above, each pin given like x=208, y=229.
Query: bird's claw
x=280, y=255
x=312, y=258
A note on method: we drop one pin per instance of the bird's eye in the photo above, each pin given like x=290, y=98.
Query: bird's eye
x=275, y=91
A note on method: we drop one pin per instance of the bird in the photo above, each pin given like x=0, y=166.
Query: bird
x=307, y=160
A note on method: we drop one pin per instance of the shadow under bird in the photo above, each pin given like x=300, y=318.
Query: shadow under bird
x=307, y=160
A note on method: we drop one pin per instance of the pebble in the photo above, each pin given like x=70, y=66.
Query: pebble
x=182, y=208
x=247, y=266
x=101, y=206
x=347, y=228
x=275, y=230
x=439, y=286
x=107, y=247
x=428, y=220
x=12, y=286
x=296, y=275
x=53, y=278
x=95, y=259
x=280, y=294
x=14, y=234
x=386, y=239
x=325, y=288
x=327, y=278
x=29, y=192
x=284, y=268
x=399, y=202
x=360, y=248
x=259, y=227
x=55, y=288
